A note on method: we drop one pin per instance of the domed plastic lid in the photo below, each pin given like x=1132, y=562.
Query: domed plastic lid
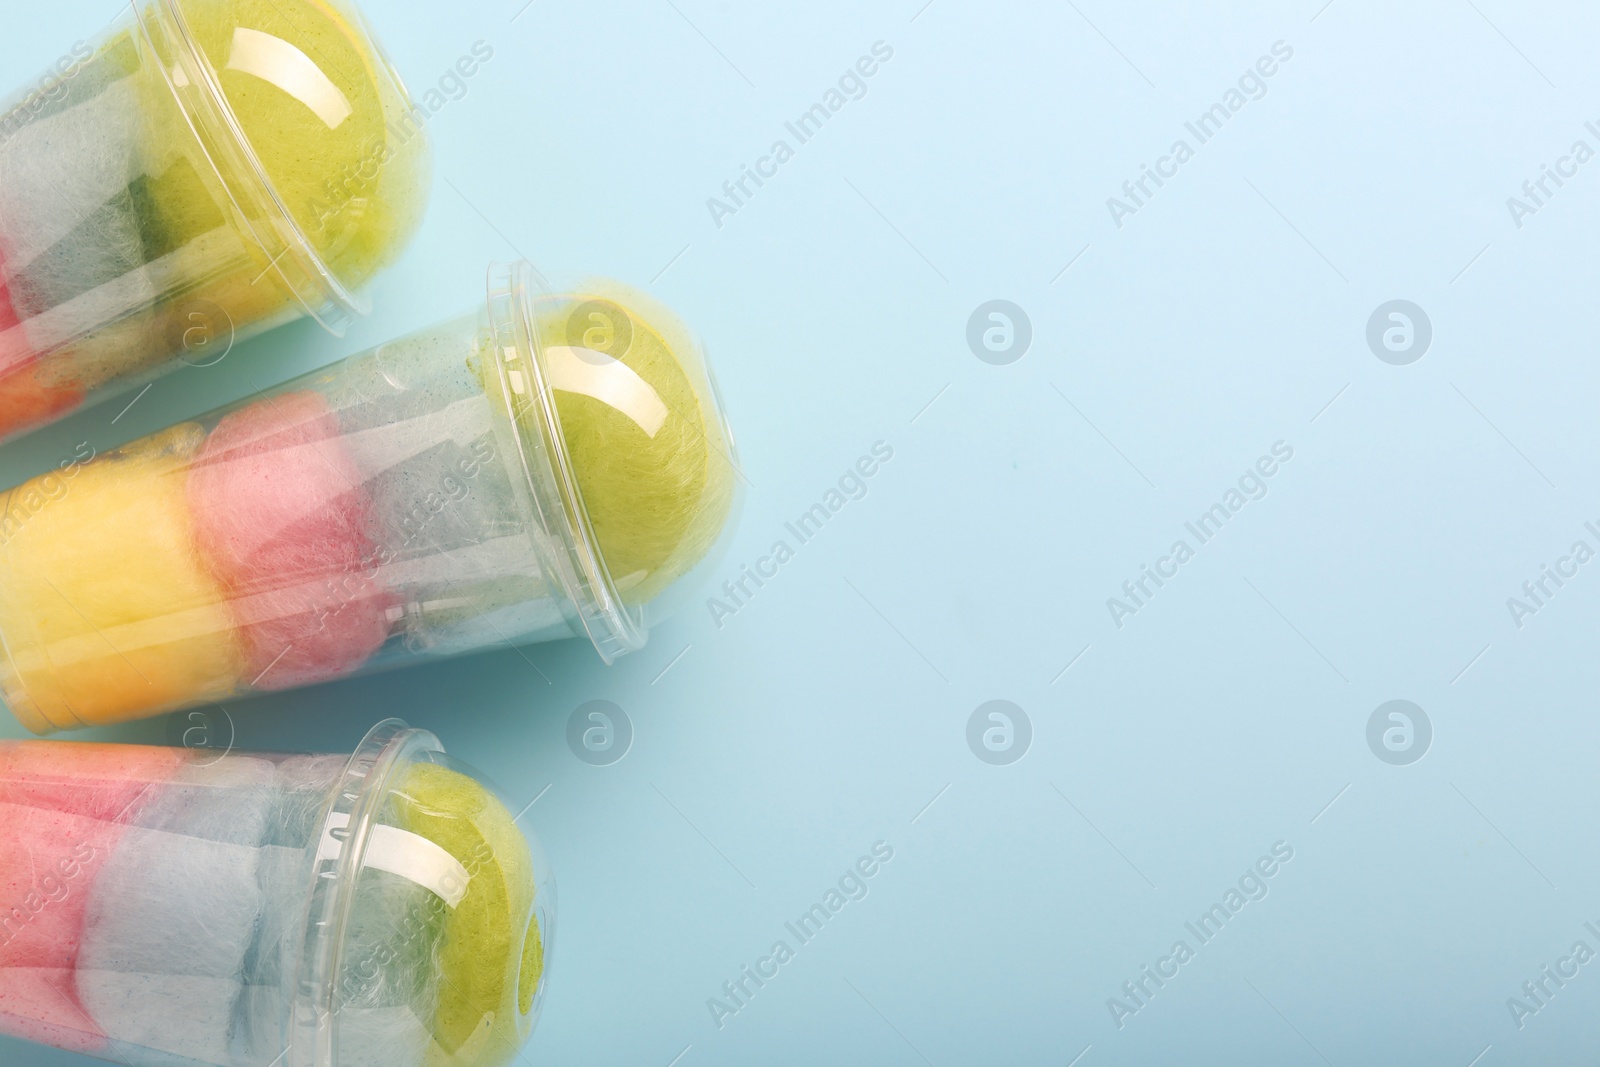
x=432, y=921
x=626, y=441
x=311, y=129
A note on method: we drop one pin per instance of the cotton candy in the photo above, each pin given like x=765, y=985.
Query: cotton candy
x=41, y=928
x=448, y=500
x=67, y=214
x=292, y=831
x=27, y=399
x=28, y=396
x=175, y=929
x=106, y=610
x=651, y=459
x=225, y=799
x=462, y=548
x=106, y=783
x=8, y=311
x=63, y=811
x=282, y=517
x=353, y=169
x=389, y=984
x=174, y=911
x=483, y=1003
x=71, y=241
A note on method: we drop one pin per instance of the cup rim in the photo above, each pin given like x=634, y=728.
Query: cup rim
x=352, y=810
x=570, y=547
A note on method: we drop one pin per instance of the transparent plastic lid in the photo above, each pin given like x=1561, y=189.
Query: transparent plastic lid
x=312, y=128
x=626, y=438
x=433, y=919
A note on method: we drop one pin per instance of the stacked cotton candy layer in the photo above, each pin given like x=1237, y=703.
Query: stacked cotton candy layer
x=162, y=903
x=340, y=141
x=68, y=216
x=281, y=516
x=25, y=398
x=174, y=911
x=490, y=951
x=188, y=567
x=106, y=607
x=84, y=234
x=63, y=812
x=449, y=508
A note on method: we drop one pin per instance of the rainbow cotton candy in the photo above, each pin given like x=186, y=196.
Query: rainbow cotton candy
x=458, y=489
x=282, y=517
x=272, y=172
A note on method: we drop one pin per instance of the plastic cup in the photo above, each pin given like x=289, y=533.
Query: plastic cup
x=200, y=171
x=169, y=905
x=550, y=466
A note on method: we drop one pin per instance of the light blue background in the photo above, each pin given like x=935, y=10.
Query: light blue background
x=1229, y=712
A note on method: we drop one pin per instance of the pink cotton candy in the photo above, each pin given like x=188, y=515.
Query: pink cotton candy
x=107, y=783
x=281, y=517
x=47, y=863
x=8, y=312
x=63, y=809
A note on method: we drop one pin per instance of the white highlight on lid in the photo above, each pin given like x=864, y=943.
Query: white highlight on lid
x=274, y=60
x=608, y=380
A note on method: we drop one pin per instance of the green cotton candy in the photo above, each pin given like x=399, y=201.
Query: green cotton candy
x=657, y=475
x=330, y=125
x=490, y=954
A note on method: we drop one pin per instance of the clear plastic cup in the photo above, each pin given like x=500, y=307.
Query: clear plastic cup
x=552, y=465
x=200, y=171
x=169, y=905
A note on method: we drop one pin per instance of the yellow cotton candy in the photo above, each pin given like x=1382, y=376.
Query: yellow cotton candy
x=106, y=611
